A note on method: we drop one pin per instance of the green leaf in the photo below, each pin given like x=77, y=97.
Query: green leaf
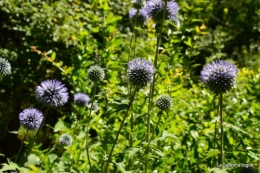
x=53, y=56
x=253, y=155
x=236, y=128
x=60, y=126
x=188, y=42
x=218, y=170
x=49, y=52
x=14, y=132
x=211, y=153
x=194, y=134
x=12, y=166
x=121, y=167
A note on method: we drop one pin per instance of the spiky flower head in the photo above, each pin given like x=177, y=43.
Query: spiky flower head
x=81, y=99
x=31, y=118
x=52, y=93
x=5, y=67
x=219, y=76
x=139, y=17
x=138, y=4
x=96, y=73
x=140, y=72
x=164, y=102
x=155, y=10
x=65, y=140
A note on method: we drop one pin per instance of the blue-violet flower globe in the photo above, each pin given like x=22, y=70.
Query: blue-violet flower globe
x=5, y=67
x=140, y=72
x=139, y=17
x=81, y=99
x=219, y=76
x=52, y=93
x=155, y=10
x=31, y=118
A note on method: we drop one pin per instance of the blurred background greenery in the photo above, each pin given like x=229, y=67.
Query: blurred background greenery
x=98, y=31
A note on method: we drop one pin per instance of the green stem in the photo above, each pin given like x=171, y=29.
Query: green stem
x=87, y=129
x=215, y=135
x=221, y=129
x=153, y=83
x=36, y=135
x=21, y=147
x=147, y=147
x=120, y=128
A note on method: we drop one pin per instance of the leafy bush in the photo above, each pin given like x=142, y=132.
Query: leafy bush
x=120, y=129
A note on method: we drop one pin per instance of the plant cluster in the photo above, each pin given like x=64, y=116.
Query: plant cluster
x=137, y=112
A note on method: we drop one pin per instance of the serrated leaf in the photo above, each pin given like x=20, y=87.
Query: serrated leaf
x=132, y=152
x=158, y=152
x=12, y=166
x=121, y=167
x=236, y=128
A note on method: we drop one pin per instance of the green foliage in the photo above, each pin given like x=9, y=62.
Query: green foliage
x=71, y=36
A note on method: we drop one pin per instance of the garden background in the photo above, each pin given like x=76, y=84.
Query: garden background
x=82, y=33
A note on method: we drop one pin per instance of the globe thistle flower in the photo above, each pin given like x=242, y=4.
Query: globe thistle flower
x=31, y=118
x=138, y=4
x=65, y=140
x=140, y=17
x=96, y=73
x=164, y=102
x=140, y=72
x=81, y=99
x=219, y=76
x=155, y=10
x=5, y=67
x=52, y=93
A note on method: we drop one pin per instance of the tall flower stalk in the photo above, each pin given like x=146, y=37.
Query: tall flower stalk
x=140, y=74
x=139, y=16
x=119, y=131
x=95, y=75
x=159, y=11
x=64, y=140
x=164, y=103
x=51, y=94
x=219, y=78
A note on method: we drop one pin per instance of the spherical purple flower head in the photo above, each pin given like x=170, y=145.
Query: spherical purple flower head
x=140, y=72
x=5, y=67
x=52, y=93
x=140, y=17
x=138, y=4
x=81, y=99
x=219, y=76
x=155, y=10
x=31, y=118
